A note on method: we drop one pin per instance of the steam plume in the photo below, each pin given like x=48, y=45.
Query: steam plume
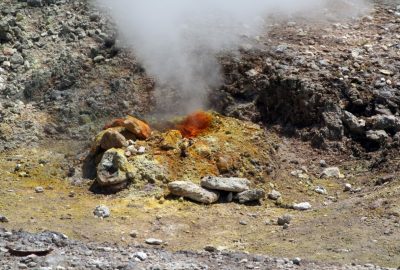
x=177, y=40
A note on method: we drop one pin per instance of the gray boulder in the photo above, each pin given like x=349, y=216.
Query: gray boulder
x=250, y=195
x=231, y=184
x=353, y=124
x=285, y=219
x=5, y=34
x=17, y=59
x=192, y=191
x=274, y=195
x=334, y=124
x=386, y=122
x=379, y=136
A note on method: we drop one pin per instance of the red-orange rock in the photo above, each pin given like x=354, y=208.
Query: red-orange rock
x=139, y=128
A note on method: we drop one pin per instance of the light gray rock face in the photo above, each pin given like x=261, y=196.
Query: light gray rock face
x=302, y=206
x=379, y=136
x=331, y=172
x=250, y=195
x=192, y=191
x=231, y=184
x=274, y=195
x=354, y=124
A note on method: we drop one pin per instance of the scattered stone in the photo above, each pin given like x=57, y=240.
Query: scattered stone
x=302, y=206
x=285, y=226
x=39, y=189
x=347, y=187
x=250, y=195
x=140, y=255
x=274, y=195
x=300, y=174
x=153, y=241
x=17, y=59
x=332, y=172
x=379, y=136
x=141, y=150
x=101, y=211
x=252, y=73
x=296, y=261
x=133, y=234
x=354, y=124
x=210, y=248
x=98, y=59
x=231, y=184
x=384, y=179
x=224, y=164
x=193, y=192
x=386, y=122
x=3, y=219
x=243, y=222
x=323, y=163
x=320, y=190
x=285, y=219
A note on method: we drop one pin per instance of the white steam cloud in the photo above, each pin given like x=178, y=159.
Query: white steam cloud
x=177, y=40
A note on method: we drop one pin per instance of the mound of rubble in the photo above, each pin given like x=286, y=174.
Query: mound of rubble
x=227, y=157
x=336, y=85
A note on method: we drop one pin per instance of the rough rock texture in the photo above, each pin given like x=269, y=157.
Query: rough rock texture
x=71, y=254
x=250, y=195
x=192, y=191
x=113, y=139
x=231, y=184
x=114, y=168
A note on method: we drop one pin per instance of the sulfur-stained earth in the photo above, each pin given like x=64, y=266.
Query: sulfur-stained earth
x=317, y=94
x=341, y=227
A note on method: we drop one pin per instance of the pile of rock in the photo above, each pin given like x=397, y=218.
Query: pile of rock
x=212, y=188
x=110, y=150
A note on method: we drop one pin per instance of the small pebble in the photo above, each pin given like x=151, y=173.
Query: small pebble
x=296, y=261
x=347, y=187
x=140, y=255
x=101, y=211
x=39, y=189
x=153, y=241
x=133, y=234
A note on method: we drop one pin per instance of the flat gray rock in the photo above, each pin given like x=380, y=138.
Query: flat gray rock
x=192, y=191
x=231, y=184
x=250, y=195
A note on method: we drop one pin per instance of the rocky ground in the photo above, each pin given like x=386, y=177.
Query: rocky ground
x=316, y=126
x=61, y=253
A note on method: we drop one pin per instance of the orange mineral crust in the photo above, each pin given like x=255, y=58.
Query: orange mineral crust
x=194, y=124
